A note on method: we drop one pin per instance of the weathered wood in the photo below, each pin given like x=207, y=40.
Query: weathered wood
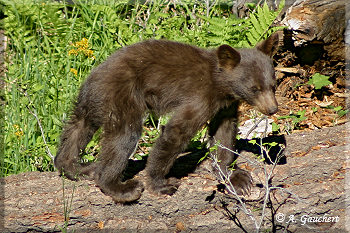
x=313, y=179
x=317, y=27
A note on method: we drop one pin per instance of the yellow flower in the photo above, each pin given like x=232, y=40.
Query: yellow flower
x=73, y=51
x=83, y=44
x=88, y=53
x=74, y=71
x=19, y=132
x=82, y=47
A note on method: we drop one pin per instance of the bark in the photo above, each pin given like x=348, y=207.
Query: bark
x=312, y=176
x=316, y=27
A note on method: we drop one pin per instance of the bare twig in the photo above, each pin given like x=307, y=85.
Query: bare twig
x=32, y=111
x=238, y=154
x=208, y=6
x=256, y=125
x=225, y=177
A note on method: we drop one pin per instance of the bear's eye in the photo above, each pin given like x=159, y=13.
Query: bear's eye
x=273, y=76
x=273, y=87
x=255, y=90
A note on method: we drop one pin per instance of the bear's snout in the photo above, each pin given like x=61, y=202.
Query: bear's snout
x=267, y=103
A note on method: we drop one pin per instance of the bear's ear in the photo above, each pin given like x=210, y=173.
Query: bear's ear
x=269, y=45
x=228, y=57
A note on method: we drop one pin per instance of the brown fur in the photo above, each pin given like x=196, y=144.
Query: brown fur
x=193, y=84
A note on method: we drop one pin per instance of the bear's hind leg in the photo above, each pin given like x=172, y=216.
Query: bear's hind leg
x=75, y=136
x=117, y=147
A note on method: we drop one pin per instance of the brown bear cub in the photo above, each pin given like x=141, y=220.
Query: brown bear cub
x=193, y=84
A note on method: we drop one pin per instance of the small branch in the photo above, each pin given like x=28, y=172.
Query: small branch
x=238, y=154
x=225, y=177
x=256, y=125
x=33, y=112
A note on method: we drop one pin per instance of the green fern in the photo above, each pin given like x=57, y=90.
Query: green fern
x=260, y=23
x=240, y=32
x=219, y=30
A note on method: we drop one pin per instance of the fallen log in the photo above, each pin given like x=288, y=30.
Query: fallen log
x=315, y=28
x=310, y=186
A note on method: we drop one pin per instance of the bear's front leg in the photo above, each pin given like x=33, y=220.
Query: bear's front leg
x=223, y=129
x=172, y=141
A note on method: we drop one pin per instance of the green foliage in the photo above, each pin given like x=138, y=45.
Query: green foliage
x=210, y=151
x=218, y=30
x=319, y=81
x=241, y=32
x=339, y=110
x=52, y=48
x=275, y=127
x=295, y=118
x=260, y=157
x=67, y=206
x=260, y=23
x=197, y=141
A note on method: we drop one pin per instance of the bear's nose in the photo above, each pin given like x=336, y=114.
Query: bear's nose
x=272, y=110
